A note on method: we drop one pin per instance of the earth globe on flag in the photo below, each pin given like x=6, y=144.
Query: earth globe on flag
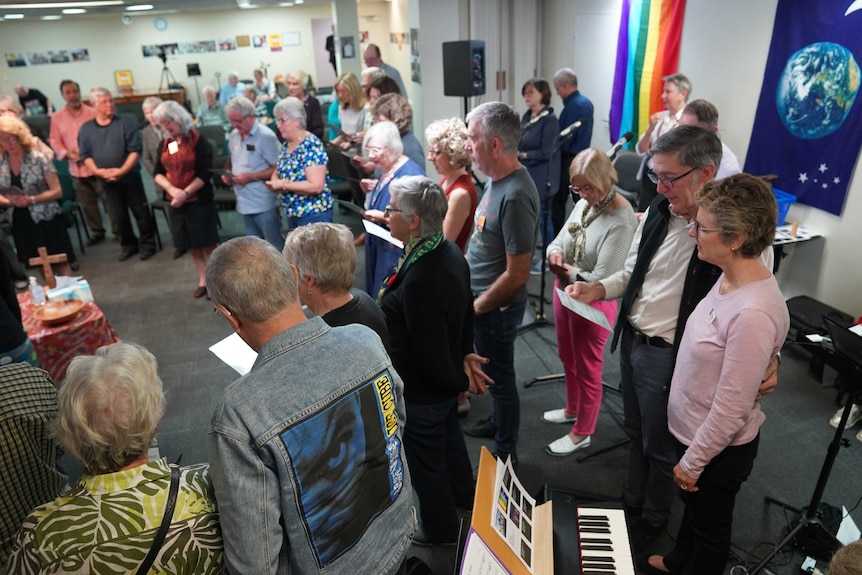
x=817, y=89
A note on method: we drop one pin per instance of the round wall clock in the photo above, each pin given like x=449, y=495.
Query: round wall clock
x=161, y=24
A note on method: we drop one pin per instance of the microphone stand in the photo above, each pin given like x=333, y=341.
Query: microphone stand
x=541, y=318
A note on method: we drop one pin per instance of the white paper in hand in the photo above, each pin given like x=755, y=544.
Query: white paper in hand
x=382, y=233
x=236, y=353
x=583, y=310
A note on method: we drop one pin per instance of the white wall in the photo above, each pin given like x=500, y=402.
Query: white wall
x=115, y=46
x=723, y=51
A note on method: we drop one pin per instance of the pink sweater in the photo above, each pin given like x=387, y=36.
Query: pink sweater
x=729, y=341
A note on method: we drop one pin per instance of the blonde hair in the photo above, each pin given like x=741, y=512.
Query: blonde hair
x=594, y=165
x=450, y=136
x=351, y=84
x=18, y=129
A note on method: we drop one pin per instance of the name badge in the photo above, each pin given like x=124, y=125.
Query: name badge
x=480, y=223
x=173, y=148
x=249, y=147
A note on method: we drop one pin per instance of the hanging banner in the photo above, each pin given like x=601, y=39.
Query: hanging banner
x=808, y=127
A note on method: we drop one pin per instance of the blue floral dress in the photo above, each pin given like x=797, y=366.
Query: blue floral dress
x=291, y=166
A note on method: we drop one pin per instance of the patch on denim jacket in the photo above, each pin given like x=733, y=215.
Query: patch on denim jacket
x=347, y=465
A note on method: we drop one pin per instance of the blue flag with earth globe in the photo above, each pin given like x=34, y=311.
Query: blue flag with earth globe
x=808, y=128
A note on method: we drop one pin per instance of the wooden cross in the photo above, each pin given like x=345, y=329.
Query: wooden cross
x=45, y=261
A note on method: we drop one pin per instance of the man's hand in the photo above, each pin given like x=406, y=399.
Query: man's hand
x=479, y=380
x=242, y=178
x=73, y=155
x=586, y=292
x=228, y=179
x=770, y=380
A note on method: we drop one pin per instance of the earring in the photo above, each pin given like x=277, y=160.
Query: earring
x=308, y=292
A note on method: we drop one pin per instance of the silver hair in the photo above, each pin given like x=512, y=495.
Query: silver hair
x=390, y=138
x=150, y=103
x=291, y=107
x=325, y=252
x=99, y=91
x=696, y=146
x=110, y=406
x=232, y=74
x=499, y=120
x=682, y=83
x=171, y=110
x=251, y=278
x=420, y=196
x=239, y=104
x=566, y=77
x=208, y=90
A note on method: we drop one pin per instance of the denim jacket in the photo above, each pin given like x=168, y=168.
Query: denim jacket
x=306, y=459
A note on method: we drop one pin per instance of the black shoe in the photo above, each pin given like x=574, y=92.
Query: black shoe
x=484, y=428
x=421, y=540
x=75, y=266
x=147, y=255
x=178, y=253
x=128, y=253
x=95, y=240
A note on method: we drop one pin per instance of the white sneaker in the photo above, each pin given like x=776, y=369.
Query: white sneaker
x=558, y=416
x=854, y=418
x=565, y=445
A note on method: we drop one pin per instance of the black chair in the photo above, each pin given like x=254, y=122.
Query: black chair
x=73, y=213
x=628, y=185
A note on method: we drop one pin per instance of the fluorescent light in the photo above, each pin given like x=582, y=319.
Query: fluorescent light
x=139, y=7
x=48, y=5
x=286, y=4
x=299, y=1
x=52, y=17
x=74, y=11
x=14, y=16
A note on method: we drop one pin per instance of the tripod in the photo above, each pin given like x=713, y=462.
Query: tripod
x=810, y=533
x=167, y=78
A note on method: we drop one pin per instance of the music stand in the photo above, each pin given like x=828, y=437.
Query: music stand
x=810, y=533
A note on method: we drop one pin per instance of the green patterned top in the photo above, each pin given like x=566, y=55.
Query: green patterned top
x=106, y=523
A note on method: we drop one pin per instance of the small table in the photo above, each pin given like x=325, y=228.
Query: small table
x=57, y=345
x=783, y=238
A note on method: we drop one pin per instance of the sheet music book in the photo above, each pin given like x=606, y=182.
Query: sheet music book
x=12, y=191
x=351, y=206
x=583, y=310
x=382, y=233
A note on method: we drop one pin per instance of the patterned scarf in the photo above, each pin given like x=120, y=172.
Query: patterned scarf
x=416, y=248
x=578, y=231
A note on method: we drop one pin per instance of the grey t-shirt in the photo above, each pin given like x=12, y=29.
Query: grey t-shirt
x=506, y=222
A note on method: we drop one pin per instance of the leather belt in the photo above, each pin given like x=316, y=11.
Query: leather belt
x=644, y=339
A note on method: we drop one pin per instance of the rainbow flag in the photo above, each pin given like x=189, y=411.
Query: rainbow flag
x=647, y=51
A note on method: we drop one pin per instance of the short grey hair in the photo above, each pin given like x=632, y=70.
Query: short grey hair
x=291, y=107
x=696, y=146
x=150, y=103
x=239, y=104
x=98, y=91
x=499, y=120
x=325, y=252
x=303, y=78
x=110, y=406
x=388, y=134
x=420, y=196
x=171, y=110
x=233, y=75
x=251, y=279
x=566, y=77
x=704, y=112
x=372, y=73
x=208, y=90
x=682, y=83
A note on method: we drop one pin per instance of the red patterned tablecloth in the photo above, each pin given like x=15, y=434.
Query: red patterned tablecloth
x=56, y=346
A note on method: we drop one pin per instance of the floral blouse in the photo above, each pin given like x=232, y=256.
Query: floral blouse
x=34, y=167
x=106, y=524
x=291, y=166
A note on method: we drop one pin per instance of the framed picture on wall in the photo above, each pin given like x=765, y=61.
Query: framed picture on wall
x=348, y=49
x=123, y=78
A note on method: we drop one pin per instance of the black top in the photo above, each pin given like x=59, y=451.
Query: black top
x=429, y=312
x=11, y=332
x=313, y=117
x=203, y=164
x=362, y=310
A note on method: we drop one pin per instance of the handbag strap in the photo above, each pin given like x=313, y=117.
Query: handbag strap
x=159, y=539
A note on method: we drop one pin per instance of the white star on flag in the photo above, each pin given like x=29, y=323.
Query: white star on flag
x=836, y=181
x=803, y=177
x=822, y=168
x=825, y=185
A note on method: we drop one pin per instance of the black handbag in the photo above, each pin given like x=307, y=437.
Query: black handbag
x=159, y=539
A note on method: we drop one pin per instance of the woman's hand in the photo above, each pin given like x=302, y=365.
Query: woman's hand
x=682, y=480
x=479, y=380
x=368, y=184
x=770, y=379
x=178, y=196
x=376, y=216
x=586, y=292
x=19, y=201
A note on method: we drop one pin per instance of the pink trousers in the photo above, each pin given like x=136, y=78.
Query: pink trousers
x=581, y=345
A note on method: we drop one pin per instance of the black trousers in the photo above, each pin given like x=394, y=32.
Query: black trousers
x=703, y=542
x=125, y=196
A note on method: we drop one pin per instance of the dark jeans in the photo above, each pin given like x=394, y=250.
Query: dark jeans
x=561, y=197
x=88, y=191
x=122, y=197
x=494, y=336
x=439, y=465
x=703, y=542
x=646, y=372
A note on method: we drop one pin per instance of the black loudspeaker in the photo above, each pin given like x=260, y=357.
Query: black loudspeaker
x=464, y=68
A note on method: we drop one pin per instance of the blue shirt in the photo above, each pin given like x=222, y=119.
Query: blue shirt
x=229, y=92
x=257, y=152
x=575, y=107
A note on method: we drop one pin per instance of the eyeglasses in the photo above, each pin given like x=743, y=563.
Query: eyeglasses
x=283, y=120
x=578, y=189
x=373, y=150
x=668, y=182
x=699, y=228
x=389, y=209
x=9, y=140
